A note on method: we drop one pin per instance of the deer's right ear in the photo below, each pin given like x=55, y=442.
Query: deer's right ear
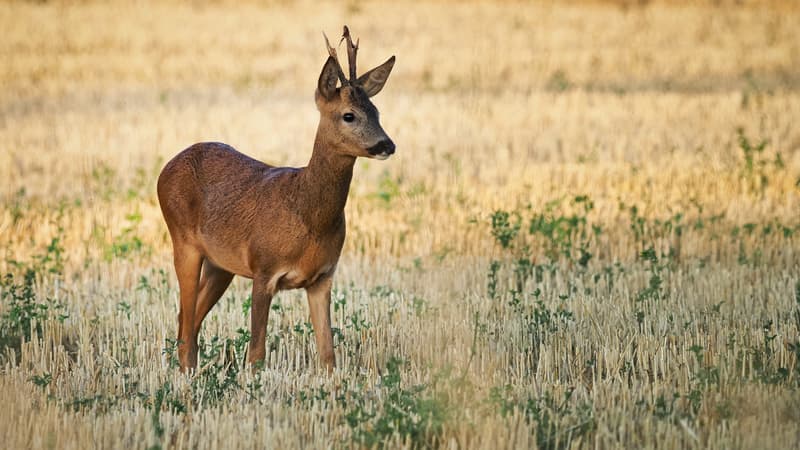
x=328, y=79
x=373, y=81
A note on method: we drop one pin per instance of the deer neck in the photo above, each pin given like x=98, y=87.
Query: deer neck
x=326, y=182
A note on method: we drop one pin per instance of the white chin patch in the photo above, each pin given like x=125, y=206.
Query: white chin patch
x=381, y=156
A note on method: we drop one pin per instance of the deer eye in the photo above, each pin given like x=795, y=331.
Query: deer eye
x=348, y=117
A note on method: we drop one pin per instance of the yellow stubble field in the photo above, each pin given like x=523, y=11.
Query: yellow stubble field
x=589, y=236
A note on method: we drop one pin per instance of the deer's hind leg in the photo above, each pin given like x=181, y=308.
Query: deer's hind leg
x=188, y=261
x=213, y=283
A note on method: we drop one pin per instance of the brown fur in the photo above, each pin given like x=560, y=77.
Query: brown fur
x=229, y=214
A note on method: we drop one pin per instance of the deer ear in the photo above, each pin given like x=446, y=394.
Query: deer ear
x=328, y=79
x=373, y=81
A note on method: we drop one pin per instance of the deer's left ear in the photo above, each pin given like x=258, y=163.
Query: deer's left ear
x=328, y=78
x=373, y=81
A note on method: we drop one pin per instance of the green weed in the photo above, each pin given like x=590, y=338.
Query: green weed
x=127, y=243
x=558, y=423
x=756, y=165
x=504, y=229
x=24, y=312
x=408, y=412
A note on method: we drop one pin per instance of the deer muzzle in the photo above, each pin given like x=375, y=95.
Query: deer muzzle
x=382, y=150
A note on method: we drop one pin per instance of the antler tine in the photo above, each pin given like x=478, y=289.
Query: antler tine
x=332, y=52
x=351, y=53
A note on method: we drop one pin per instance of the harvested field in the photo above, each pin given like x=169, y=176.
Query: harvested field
x=589, y=236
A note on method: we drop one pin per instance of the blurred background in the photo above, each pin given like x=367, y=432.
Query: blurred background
x=537, y=82
x=494, y=92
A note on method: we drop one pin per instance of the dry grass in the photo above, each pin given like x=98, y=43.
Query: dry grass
x=494, y=107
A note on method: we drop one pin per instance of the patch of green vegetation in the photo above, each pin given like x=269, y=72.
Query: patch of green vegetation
x=127, y=243
x=19, y=205
x=156, y=285
x=389, y=188
x=42, y=380
x=761, y=361
x=504, y=229
x=559, y=424
x=105, y=181
x=164, y=399
x=566, y=235
x=408, y=412
x=220, y=361
x=24, y=311
x=558, y=81
x=377, y=415
x=756, y=165
x=654, y=289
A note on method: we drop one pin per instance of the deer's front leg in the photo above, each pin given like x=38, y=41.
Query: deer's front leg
x=319, y=304
x=259, y=314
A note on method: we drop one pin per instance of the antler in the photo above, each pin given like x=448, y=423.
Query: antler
x=332, y=52
x=351, y=53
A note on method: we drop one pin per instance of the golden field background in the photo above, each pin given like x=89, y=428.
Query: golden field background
x=498, y=106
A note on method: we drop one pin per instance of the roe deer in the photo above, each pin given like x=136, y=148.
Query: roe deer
x=284, y=227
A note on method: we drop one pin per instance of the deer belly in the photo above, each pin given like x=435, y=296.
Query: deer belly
x=230, y=259
x=298, y=277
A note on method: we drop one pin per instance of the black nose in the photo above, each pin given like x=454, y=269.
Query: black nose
x=385, y=146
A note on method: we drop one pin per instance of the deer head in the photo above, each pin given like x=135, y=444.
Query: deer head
x=346, y=114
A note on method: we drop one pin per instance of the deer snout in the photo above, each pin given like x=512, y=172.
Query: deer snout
x=382, y=149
